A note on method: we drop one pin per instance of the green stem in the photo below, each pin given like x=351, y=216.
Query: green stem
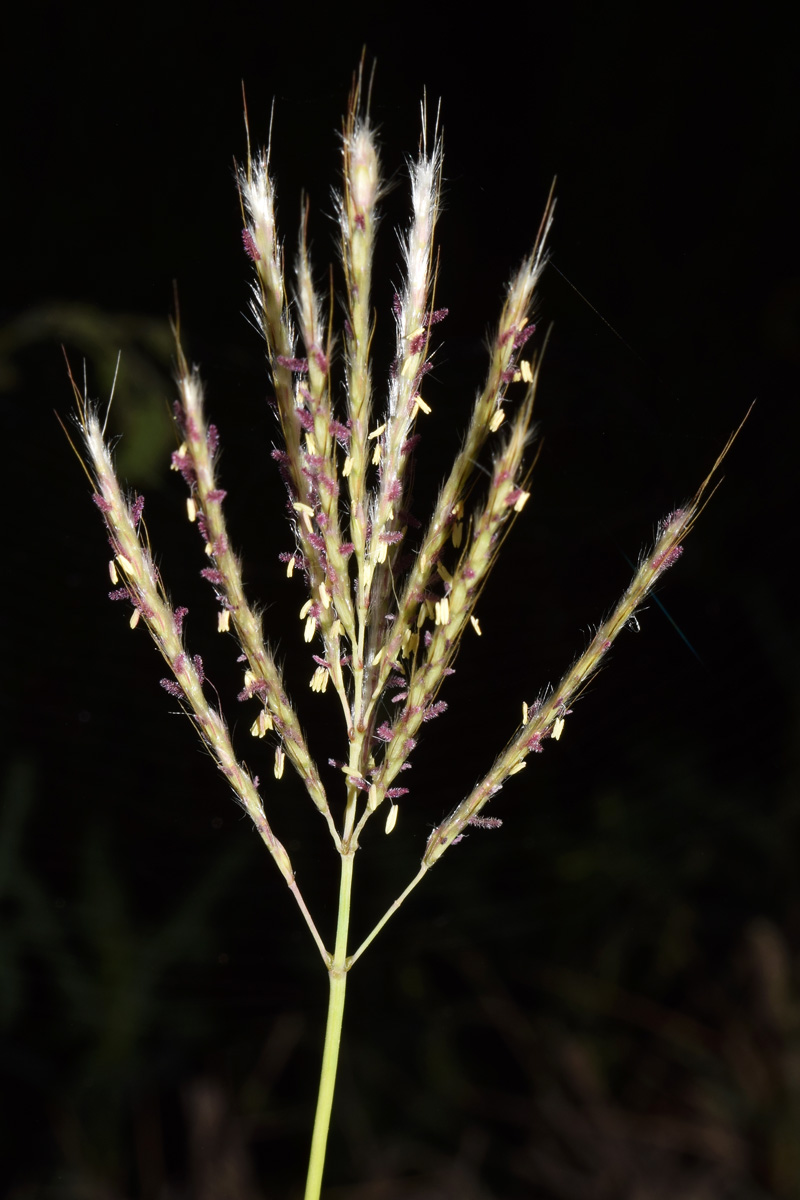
x=337, y=973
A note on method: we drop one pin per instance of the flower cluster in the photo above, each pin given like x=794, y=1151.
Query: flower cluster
x=386, y=600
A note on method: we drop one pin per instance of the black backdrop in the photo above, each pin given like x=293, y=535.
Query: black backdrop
x=599, y=997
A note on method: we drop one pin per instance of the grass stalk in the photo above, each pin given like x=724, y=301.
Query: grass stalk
x=337, y=977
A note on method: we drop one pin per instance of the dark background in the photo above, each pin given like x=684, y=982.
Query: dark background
x=601, y=999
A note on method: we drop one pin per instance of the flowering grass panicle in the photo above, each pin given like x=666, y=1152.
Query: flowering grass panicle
x=385, y=607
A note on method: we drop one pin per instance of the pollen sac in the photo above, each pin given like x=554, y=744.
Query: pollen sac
x=319, y=680
x=391, y=818
x=262, y=724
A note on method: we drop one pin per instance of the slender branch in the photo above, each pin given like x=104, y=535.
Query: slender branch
x=327, y=957
x=391, y=910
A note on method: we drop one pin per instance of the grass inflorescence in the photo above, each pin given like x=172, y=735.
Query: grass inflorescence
x=386, y=605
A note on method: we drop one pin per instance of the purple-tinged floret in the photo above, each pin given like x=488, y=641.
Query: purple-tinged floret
x=299, y=366
x=433, y=318
x=250, y=247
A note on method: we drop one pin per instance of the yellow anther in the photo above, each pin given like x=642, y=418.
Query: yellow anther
x=376, y=454
x=134, y=621
x=515, y=378
x=306, y=512
x=442, y=611
x=280, y=761
x=524, y=712
x=497, y=420
x=409, y=644
x=249, y=678
x=558, y=729
x=125, y=563
x=444, y=573
x=527, y=372
x=310, y=629
x=223, y=620
x=348, y=466
x=191, y=509
x=112, y=571
x=262, y=723
x=372, y=798
x=336, y=628
x=391, y=817
x=522, y=500
x=290, y=567
x=410, y=366
x=520, y=766
x=306, y=609
x=376, y=433
x=476, y=625
x=324, y=596
x=419, y=403
x=319, y=680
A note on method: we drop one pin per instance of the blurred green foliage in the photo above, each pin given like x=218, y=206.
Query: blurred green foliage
x=95, y=341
